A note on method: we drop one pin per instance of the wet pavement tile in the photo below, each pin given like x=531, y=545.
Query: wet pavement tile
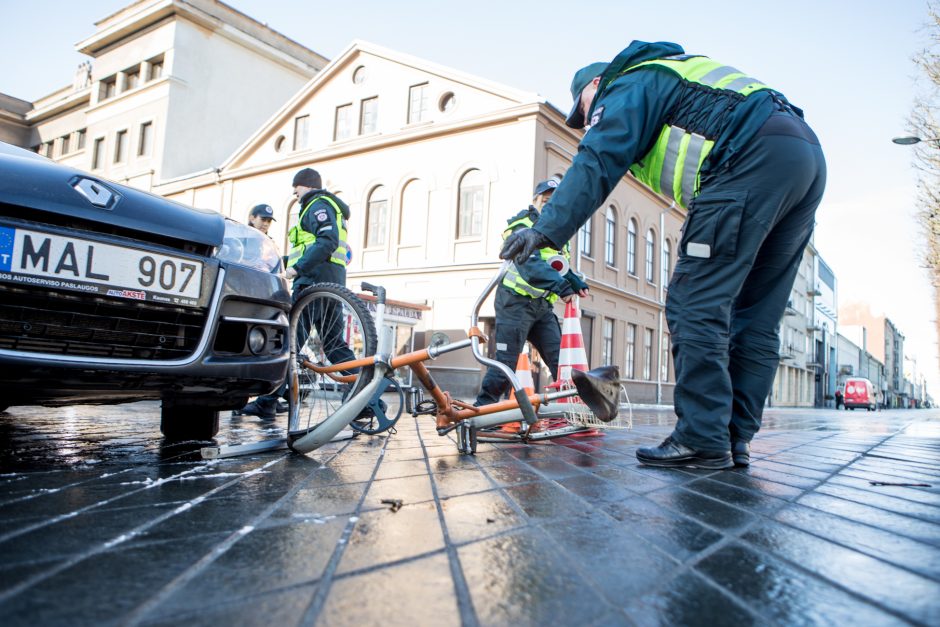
x=885, y=545
x=881, y=583
x=520, y=578
x=103, y=587
x=785, y=595
x=877, y=498
x=476, y=516
x=281, y=608
x=461, y=481
x=406, y=490
x=676, y=535
x=709, y=511
x=417, y=592
x=690, y=600
x=883, y=519
x=385, y=536
x=546, y=500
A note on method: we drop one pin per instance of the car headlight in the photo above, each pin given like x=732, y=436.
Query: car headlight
x=247, y=246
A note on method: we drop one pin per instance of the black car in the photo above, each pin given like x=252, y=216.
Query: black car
x=109, y=294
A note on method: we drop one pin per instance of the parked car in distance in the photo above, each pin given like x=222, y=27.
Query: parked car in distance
x=859, y=392
x=109, y=294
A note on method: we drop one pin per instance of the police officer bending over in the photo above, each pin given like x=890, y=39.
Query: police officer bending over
x=524, y=303
x=751, y=173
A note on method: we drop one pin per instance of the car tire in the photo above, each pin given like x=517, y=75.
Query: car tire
x=188, y=422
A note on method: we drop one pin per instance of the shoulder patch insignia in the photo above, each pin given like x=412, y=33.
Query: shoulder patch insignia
x=598, y=114
x=321, y=216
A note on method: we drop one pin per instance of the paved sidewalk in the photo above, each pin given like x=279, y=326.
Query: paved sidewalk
x=101, y=525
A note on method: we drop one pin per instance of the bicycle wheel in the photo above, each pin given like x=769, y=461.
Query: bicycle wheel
x=331, y=326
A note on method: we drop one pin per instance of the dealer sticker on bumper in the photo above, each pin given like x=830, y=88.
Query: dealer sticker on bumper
x=71, y=263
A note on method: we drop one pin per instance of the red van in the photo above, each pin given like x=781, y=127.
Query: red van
x=859, y=392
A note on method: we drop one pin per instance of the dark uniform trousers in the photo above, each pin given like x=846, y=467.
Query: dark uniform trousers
x=520, y=318
x=724, y=311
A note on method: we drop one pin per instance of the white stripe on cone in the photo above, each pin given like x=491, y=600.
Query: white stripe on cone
x=572, y=355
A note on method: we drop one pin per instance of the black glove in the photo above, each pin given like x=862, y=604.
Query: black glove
x=576, y=282
x=520, y=245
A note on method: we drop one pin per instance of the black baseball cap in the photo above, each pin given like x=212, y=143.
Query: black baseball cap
x=581, y=79
x=265, y=211
x=546, y=186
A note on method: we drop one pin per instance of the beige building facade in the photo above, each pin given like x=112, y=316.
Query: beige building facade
x=164, y=92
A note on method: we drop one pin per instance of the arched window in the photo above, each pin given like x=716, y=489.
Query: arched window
x=610, y=237
x=412, y=230
x=650, y=256
x=470, y=205
x=377, y=217
x=585, y=242
x=631, y=246
x=667, y=262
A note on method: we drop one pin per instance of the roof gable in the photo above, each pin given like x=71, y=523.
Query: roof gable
x=369, y=83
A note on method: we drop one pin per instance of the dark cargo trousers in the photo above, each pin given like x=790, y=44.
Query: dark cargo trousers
x=741, y=247
x=520, y=318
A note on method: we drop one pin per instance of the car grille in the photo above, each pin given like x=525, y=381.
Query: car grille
x=40, y=321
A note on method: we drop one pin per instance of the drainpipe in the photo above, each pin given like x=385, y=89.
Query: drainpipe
x=662, y=301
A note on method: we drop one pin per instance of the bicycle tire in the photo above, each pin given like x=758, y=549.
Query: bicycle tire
x=332, y=307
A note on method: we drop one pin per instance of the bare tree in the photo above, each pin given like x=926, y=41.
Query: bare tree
x=924, y=123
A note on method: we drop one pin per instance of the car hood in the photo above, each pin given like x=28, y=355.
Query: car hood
x=29, y=180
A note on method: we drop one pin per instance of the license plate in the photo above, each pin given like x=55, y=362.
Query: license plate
x=71, y=263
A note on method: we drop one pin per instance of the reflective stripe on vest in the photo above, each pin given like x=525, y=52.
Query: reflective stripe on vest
x=300, y=239
x=514, y=281
x=672, y=166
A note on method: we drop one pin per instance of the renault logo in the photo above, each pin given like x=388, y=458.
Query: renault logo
x=96, y=193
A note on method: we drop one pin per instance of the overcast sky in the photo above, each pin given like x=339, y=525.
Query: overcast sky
x=846, y=63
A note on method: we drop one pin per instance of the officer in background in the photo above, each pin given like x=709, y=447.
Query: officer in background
x=751, y=173
x=524, y=303
x=318, y=254
x=261, y=217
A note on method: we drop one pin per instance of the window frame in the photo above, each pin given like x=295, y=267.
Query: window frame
x=610, y=236
x=651, y=257
x=376, y=235
x=371, y=117
x=420, y=115
x=631, y=246
x=477, y=212
x=121, y=145
x=586, y=238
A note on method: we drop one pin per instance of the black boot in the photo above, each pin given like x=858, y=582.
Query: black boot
x=672, y=454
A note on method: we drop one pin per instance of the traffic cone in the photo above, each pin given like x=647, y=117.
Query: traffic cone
x=524, y=374
x=572, y=355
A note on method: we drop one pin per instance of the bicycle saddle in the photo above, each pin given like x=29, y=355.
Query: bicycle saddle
x=600, y=390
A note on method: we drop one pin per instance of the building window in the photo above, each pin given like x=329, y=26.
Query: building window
x=470, y=205
x=377, y=217
x=368, y=116
x=587, y=333
x=108, y=88
x=607, y=348
x=97, y=153
x=301, y=131
x=417, y=103
x=664, y=360
x=629, y=362
x=120, y=146
x=47, y=149
x=132, y=78
x=631, y=246
x=667, y=261
x=447, y=102
x=648, y=354
x=650, y=256
x=145, y=139
x=586, y=237
x=342, y=123
x=64, y=145
x=156, y=69
x=79, y=139
x=414, y=214
x=359, y=75
x=610, y=238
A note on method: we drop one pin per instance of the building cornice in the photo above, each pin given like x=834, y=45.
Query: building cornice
x=69, y=101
